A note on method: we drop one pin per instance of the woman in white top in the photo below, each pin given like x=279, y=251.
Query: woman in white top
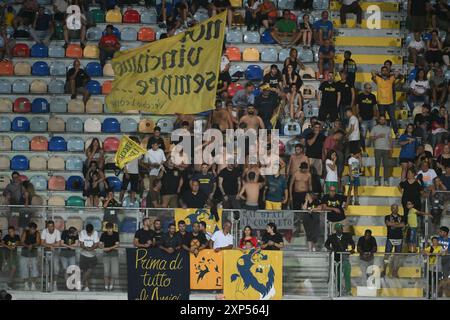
x=332, y=174
x=294, y=101
x=419, y=89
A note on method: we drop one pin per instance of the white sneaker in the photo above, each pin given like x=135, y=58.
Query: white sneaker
x=33, y=287
x=26, y=287
x=106, y=288
x=111, y=287
x=86, y=289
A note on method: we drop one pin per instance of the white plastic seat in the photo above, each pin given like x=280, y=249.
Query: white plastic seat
x=252, y=37
x=38, y=124
x=94, y=34
x=92, y=125
x=234, y=36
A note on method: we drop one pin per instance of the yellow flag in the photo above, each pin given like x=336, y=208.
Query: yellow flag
x=178, y=74
x=128, y=151
x=206, y=269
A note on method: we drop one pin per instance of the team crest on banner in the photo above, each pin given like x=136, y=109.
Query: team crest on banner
x=197, y=215
x=253, y=275
x=206, y=270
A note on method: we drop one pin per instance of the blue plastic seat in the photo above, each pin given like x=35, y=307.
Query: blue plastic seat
x=40, y=105
x=21, y=86
x=39, y=182
x=39, y=50
x=129, y=34
x=55, y=51
x=269, y=55
x=266, y=38
x=306, y=55
x=20, y=124
x=147, y=17
x=234, y=36
x=110, y=125
x=96, y=223
x=20, y=163
x=21, y=143
x=40, y=68
x=75, y=144
x=56, y=86
x=116, y=32
x=74, y=183
x=283, y=54
x=94, y=87
x=128, y=125
x=5, y=86
x=58, y=105
x=57, y=144
x=128, y=225
x=251, y=37
x=38, y=124
x=254, y=72
x=94, y=34
x=114, y=183
x=74, y=124
x=74, y=163
x=5, y=124
x=57, y=68
x=94, y=69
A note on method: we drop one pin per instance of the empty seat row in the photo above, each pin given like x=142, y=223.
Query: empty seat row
x=55, y=144
x=267, y=54
x=73, y=50
x=40, y=163
x=144, y=34
x=73, y=124
x=54, y=86
x=55, y=105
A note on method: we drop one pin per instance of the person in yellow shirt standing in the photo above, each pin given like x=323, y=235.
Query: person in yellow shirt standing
x=412, y=226
x=432, y=251
x=385, y=93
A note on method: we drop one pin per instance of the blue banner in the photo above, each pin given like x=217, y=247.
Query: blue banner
x=157, y=275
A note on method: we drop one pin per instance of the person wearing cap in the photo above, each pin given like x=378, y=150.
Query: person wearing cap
x=342, y=245
x=274, y=79
x=266, y=104
x=108, y=45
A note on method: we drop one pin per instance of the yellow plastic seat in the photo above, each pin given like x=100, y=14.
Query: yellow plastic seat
x=250, y=54
x=94, y=105
x=38, y=86
x=75, y=106
x=114, y=16
x=6, y=105
x=91, y=51
x=22, y=69
x=108, y=70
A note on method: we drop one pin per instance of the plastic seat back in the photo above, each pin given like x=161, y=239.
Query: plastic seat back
x=55, y=51
x=5, y=124
x=94, y=87
x=21, y=143
x=128, y=125
x=56, y=124
x=6, y=68
x=233, y=54
x=234, y=36
x=251, y=37
x=38, y=124
x=286, y=4
x=75, y=106
x=75, y=201
x=250, y=55
x=108, y=70
x=114, y=183
x=38, y=163
x=20, y=86
x=111, y=144
x=74, y=51
x=131, y=16
x=5, y=86
x=91, y=51
x=94, y=69
x=111, y=125
x=74, y=124
x=98, y=16
x=57, y=144
x=75, y=222
x=56, y=163
x=96, y=223
x=20, y=162
x=39, y=182
x=106, y=87
x=57, y=68
x=38, y=86
x=56, y=201
x=5, y=163
x=39, y=143
x=283, y=54
x=22, y=105
x=75, y=144
x=6, y=105
x=146, y=126
x=57, y=183
x=75, y=183
x=166, y=125
x=39, y=50
x=146, y=34
x=21, y=50
x=306, y=55
x=254, y=72
x=40, y=105
x=58, y=105
x=233, y=88
x=114, y=16
x=20, y=124
x=94, y=106
x=269, y=55
x=94, y=34
x=56, y=86
x=74, y=163
x=22, y=69
x=266, y=38
x=92, y=125
x=5, y=143
x=128, y=225
x=149, y=17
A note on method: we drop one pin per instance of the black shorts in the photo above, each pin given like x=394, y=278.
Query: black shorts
x=405, y=160
x=133, y=180
x=354, y=146
x=298, y=199
x=87, y=263
x=26, y=15
x=326, y=112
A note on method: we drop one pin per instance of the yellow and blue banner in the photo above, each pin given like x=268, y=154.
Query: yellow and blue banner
x=213, y=222
x=128, y=151
x=206, y=270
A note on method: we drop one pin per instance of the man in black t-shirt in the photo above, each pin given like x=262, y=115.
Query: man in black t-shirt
x=109, y=241
x=272, y=240
x=157, y=232
x=417, y=13
x=367, y=246
x=69, y=242
x=273, y=78
x=334, y=203
x=314, y=148
x=195, y=241
x=143, y=238
x=182, y=233
x=328, y=99
x=10, y=243
x=156, y=138
x=171, y=183
x=229, y=186
x=395, y=224
x=170, y=241
x=224, y=81
x=366, y=109
x=194, y=198
x=347, y=94
x=76, y=80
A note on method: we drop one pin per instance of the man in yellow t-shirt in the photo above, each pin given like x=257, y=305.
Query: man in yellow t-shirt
x=385, y=94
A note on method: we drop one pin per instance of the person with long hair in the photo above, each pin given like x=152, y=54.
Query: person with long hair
x=434, y=49
x=408, y=143
x=419, y=89
x=331, y=178
x=311, y=220
x=247, y=235
x=272, y=239
x=95, y=153
x=293, y=60
x=306, y=31
x=411, y=191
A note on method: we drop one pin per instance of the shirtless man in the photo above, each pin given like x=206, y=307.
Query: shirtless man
x=251, y=120
x=251, y=189
x=220, y=118
x=300, y=185
x=296, y=159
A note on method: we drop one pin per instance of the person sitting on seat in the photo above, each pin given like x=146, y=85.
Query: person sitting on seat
x=76, y=80
x=285, y=30
x=108, y=45
x=75, y=28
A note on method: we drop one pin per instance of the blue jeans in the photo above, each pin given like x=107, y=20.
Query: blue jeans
x=389, y=247
x=390, y=108
x=366, y=126
x=412, y=98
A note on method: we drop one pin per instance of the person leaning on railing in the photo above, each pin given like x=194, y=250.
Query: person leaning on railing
x=30, y=239
x=432, y=251
x=109, y=242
